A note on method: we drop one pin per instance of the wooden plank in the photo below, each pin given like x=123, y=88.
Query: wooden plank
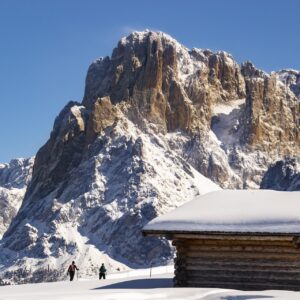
x=244, y=257
x=238, y=261
x=244, y=268
x=239, y=286
x=241, y=255
x=269, y=249
x=234, y=236
x=236, y=242
x=234, y=278
x=240, y=274
x=240, y=265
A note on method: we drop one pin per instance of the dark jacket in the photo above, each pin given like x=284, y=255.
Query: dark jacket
x=102, y=269
x=72, y=268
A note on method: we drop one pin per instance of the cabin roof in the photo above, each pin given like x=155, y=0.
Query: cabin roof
x=233, y=211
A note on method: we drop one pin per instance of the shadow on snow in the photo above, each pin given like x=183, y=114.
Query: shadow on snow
x=245, y=297
x=140, y=284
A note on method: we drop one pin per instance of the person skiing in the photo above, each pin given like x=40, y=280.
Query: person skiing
x=71, y=270
x=102, y=271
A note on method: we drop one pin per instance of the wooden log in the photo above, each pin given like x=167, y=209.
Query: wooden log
x=242, y=286
x=263, y=249
x=220, y=266
x=241, y=274
x=245, y=268
x=235, y=236
x=238, y=261
x=240, y=254
x=237, y=247
x=236, y=241
x=234, y=278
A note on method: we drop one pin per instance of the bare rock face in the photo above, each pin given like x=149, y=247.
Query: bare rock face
x=154, y=119
x=103, y=115
x=61, y=153
x=271, y=114
x=168, y=84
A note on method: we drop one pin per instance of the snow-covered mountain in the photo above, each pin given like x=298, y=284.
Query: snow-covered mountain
x=290, y=78
x=14, y=178
x=156, y=121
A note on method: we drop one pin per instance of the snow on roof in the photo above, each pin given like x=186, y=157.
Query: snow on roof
x=234, y=211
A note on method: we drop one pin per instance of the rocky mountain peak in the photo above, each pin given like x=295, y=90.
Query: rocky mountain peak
x=166, y=82
x=249, y=70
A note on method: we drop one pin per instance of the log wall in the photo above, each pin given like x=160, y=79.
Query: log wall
x=237, y=263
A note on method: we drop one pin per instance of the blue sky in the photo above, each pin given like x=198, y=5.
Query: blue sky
x=47, y=46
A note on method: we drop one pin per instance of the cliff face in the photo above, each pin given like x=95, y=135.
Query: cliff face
x=272, y=114
x=199, y=92
x=164, y=82
x=154, y=119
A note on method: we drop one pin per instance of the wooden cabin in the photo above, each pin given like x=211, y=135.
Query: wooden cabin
x=248, y=240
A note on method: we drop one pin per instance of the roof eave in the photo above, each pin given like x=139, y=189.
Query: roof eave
x=174, y=234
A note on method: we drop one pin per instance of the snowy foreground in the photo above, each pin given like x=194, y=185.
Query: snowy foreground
x=129, y=287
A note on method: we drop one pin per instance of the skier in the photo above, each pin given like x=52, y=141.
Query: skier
x=71, y=270
x=102, y=271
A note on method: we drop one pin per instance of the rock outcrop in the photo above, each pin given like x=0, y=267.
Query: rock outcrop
x=284, y=175
x=271, y=114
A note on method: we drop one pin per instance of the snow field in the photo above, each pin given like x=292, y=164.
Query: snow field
x=131, y=288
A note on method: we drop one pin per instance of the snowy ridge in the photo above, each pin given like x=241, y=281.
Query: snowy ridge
x=17, y=173
x=10, y=202
x=140, y=36
x=14, y=178
x=290, y=78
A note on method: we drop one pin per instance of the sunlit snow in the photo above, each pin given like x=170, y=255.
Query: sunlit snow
x=235, y=211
